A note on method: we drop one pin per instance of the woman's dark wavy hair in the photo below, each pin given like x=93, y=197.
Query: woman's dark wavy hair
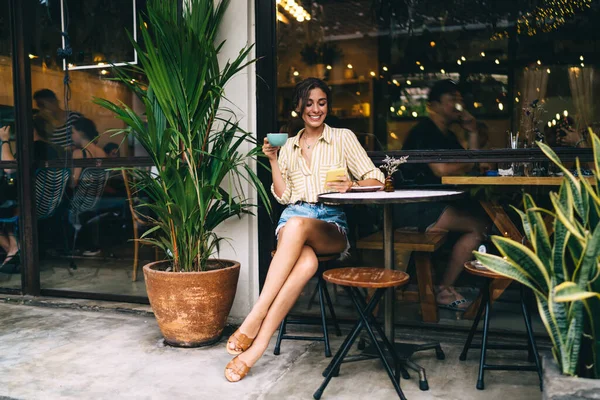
x=87, y=127
x=300, y=98
x=302, y=91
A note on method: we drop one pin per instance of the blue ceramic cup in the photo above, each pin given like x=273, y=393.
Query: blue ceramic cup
x=277, y=139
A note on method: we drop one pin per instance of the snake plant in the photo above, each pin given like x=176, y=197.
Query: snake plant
x=202, y=156
x=560, y=264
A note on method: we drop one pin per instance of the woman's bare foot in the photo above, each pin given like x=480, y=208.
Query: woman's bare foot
x=448, y=297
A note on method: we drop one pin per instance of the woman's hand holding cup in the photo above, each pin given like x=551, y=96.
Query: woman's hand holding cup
x=270, y=151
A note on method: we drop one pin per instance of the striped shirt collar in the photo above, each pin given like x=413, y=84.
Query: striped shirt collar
x=326, y=136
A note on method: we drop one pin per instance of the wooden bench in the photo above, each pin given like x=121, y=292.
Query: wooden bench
x=422, y=245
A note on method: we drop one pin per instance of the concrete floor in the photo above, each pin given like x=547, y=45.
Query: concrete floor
x=62, y=353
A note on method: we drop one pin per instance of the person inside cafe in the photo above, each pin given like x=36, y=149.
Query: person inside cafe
x=42, y=150
x=49, y=107
x=306, y=227
x=446, y=112
x=84, y=140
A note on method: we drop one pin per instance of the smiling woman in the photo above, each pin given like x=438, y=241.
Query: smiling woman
x=306, y=228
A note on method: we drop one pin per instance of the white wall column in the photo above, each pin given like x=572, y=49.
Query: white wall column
x=238, y=31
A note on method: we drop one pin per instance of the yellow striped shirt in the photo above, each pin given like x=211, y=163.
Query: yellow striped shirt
x=335, y=148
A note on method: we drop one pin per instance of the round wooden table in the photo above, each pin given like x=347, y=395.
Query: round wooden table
x=388, y=199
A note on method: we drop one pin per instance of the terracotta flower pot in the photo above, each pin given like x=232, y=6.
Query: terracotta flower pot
x=191, y=308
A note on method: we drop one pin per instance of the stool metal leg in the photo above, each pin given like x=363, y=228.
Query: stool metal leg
x=320, y=286
x=486, y=324
x=463, y=354
x=368, y=320
x=345, y=348
x=530, y=337
x=338, y=332
x=277, y=349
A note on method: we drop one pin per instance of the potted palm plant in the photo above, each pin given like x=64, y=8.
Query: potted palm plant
x=561, y=266
x=201, y=157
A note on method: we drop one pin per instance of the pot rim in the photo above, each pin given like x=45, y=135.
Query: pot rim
x=149, y=267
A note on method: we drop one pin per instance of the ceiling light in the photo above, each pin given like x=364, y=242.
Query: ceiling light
x=459, y=62
x=349, y=66
x=329, y=67
x=557, y=116
x=414, y=114
x=566, y=113
x=392, y=109
x=432, y=43
x=372, y=73
x=443, y=71
x=500, y=106
x=422, y=68
x=539, y=62
x=553, y=122
x=581, y=58
x=548, y=70
x=296, y=73
x=385, y=68
x=497, y=61
x=408, y=82
x=482, y=54
x=463, y=58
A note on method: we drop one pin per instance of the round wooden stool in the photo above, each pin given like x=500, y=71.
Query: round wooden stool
x=531, y=348
x=353, y=279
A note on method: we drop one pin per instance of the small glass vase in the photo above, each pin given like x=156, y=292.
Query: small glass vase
x=389, y=184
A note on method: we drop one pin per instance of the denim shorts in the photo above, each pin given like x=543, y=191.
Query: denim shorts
x=331, y=214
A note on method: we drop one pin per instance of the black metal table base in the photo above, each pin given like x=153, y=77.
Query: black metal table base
x=532, y=353
x=405, y=351
x=382, y=346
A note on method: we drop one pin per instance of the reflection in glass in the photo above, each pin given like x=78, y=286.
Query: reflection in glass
x=87, y=245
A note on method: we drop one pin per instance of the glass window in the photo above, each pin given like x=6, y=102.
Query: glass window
x=85, y=229
x=9, y=248
x=526, y=68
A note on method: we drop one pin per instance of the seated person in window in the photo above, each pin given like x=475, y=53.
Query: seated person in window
x=84, y=135
x=42, y=150
x=445, y=109
x=47, y=102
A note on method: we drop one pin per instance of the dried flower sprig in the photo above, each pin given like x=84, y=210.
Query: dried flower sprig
x=390, y=164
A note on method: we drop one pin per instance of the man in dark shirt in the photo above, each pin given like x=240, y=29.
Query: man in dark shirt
x=445, y=108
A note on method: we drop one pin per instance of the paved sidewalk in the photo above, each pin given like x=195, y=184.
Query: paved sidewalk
x=58, y=353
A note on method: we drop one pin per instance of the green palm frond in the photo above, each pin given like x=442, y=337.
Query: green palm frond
x=201, y=154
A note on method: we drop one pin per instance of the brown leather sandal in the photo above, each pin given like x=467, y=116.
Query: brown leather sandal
x=241, y=341
x=237, y=367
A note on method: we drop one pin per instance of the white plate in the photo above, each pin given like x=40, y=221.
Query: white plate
x=366, y=188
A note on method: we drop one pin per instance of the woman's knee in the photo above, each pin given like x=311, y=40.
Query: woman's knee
x=295, y=226
x=307, y=263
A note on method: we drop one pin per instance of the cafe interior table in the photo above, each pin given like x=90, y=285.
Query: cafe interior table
x=499, y=217
x=387, y=200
